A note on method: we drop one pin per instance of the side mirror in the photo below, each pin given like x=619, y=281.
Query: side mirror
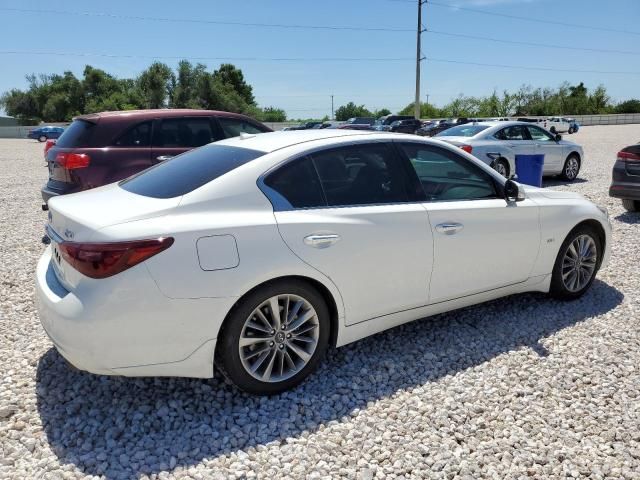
x=558, y=137
x=513, y=192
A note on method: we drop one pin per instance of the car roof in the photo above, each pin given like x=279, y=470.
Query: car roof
x=272, y=141
x=155, y=113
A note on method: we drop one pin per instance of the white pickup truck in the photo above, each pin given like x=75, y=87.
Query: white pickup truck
x=556, y=125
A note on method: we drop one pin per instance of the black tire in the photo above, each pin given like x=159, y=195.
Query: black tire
x=553, y=130
x=570, y=131
x=502, y=163
x=42, y=138
x=631, y=205
x=558, y=289
x=228, y=359
x=567, y=173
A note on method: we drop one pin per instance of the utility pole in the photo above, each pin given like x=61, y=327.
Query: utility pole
x=331, y=107
x=418, y=60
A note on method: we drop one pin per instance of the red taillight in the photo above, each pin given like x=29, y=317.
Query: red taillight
x=48, y=145
x=628, y=157
x=73, y=160
x=466, y=148
x=101, y=260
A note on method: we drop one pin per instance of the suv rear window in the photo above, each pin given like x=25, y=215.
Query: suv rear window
x=78, y=134
x=186, y=172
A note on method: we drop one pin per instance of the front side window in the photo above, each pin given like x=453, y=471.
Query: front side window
x=361, y=175
x=445, y=176
x=233, y=127
x=137, y=136
x=297, y=182
x=186, y=172
x=514, y=132
x=540, y=135
x=183, y=133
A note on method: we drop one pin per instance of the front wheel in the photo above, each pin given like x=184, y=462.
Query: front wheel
x=502, y=167
x=274, y=338
x=42, y=138
x=576, y=265
x=631, y=205
x=570, y=131
x=571, y=168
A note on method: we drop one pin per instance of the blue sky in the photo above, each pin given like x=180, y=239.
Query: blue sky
x=303, y=88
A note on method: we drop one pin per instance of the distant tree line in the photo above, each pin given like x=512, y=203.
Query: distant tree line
x=565, y=100
x=58, y=98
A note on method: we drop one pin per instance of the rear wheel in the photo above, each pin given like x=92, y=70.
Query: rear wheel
x=631, y=205
x=571, y=168
x=274, y=338
x=577, y=263
x=502, y=167
x=42, y=138
x=570, y=131
x=553, y=130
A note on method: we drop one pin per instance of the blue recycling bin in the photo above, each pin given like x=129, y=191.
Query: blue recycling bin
x=529, y=169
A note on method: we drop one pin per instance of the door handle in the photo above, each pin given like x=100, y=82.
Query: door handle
x=321, y=240
x=163, y=158
x=449, y=228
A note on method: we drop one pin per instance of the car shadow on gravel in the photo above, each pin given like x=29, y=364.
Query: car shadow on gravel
x=125, y=427
x=558, y=182
x=631, y=218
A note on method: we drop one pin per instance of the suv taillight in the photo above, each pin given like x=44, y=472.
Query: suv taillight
x=628, y=157
x=47, y=146
x=101, y=260
x=73, y=160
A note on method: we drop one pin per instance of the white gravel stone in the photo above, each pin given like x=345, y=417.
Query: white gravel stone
x=519, y=387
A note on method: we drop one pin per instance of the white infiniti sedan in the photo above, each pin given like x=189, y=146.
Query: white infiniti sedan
x=498, y=143
x=255, y=253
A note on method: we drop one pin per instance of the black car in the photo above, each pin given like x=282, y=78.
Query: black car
x=405, y=126
x=384, y=123
x=626, y=178
x=433, y=128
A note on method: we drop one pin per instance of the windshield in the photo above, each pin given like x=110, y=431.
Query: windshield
x=186, y=172
x=463, y=131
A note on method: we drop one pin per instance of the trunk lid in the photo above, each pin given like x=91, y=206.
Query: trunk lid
x=77, y=218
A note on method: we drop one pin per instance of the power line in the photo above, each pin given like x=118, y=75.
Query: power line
x=168, y=57
x=523, y=67
x=528, y=19
x=531, y=44
x=208, y=22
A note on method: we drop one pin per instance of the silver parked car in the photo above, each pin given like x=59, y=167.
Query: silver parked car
x=498, y=143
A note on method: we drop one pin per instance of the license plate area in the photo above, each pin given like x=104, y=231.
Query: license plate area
x=56, y=261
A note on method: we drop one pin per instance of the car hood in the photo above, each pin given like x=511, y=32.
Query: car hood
x=76, y=217
x=569, y=143
x=538, y=192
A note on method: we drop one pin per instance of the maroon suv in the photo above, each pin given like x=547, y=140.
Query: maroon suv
x=103, y=148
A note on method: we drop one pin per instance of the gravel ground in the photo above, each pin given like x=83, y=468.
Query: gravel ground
x=519, y=387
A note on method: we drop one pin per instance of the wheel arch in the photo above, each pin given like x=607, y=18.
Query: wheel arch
x=323, y=290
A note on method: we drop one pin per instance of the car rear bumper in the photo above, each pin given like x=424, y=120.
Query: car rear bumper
x=624, y=185
x=55, y=188
x=128, y=327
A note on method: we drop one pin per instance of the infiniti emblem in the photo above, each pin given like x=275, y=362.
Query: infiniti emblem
x=68, y=233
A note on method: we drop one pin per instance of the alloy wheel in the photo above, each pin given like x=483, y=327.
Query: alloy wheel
x=579, y=263
x=571, y=168
x=500, y=168
x=279, y=338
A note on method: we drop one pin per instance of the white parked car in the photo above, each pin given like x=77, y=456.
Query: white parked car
x=256, y=253
x=557, y=125
x=498, y=143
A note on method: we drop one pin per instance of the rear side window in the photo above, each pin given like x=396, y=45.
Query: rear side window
x=78, y=134
x=186, y=172
x=183, y=132
x=233, y=127
x=365, y=174
x=298, y=183
x=137, y=136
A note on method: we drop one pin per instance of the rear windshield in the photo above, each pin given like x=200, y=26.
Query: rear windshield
x=463, y=131
x=188, y=171
x=78, y=134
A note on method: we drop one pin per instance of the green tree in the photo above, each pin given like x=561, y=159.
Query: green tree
x=228, y=74
x=382, y=112
x=156, y=85
x=350, y=110
x=628, y=106
x=272, y=114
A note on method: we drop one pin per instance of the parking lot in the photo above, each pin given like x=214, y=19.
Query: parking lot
x=523, y=386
